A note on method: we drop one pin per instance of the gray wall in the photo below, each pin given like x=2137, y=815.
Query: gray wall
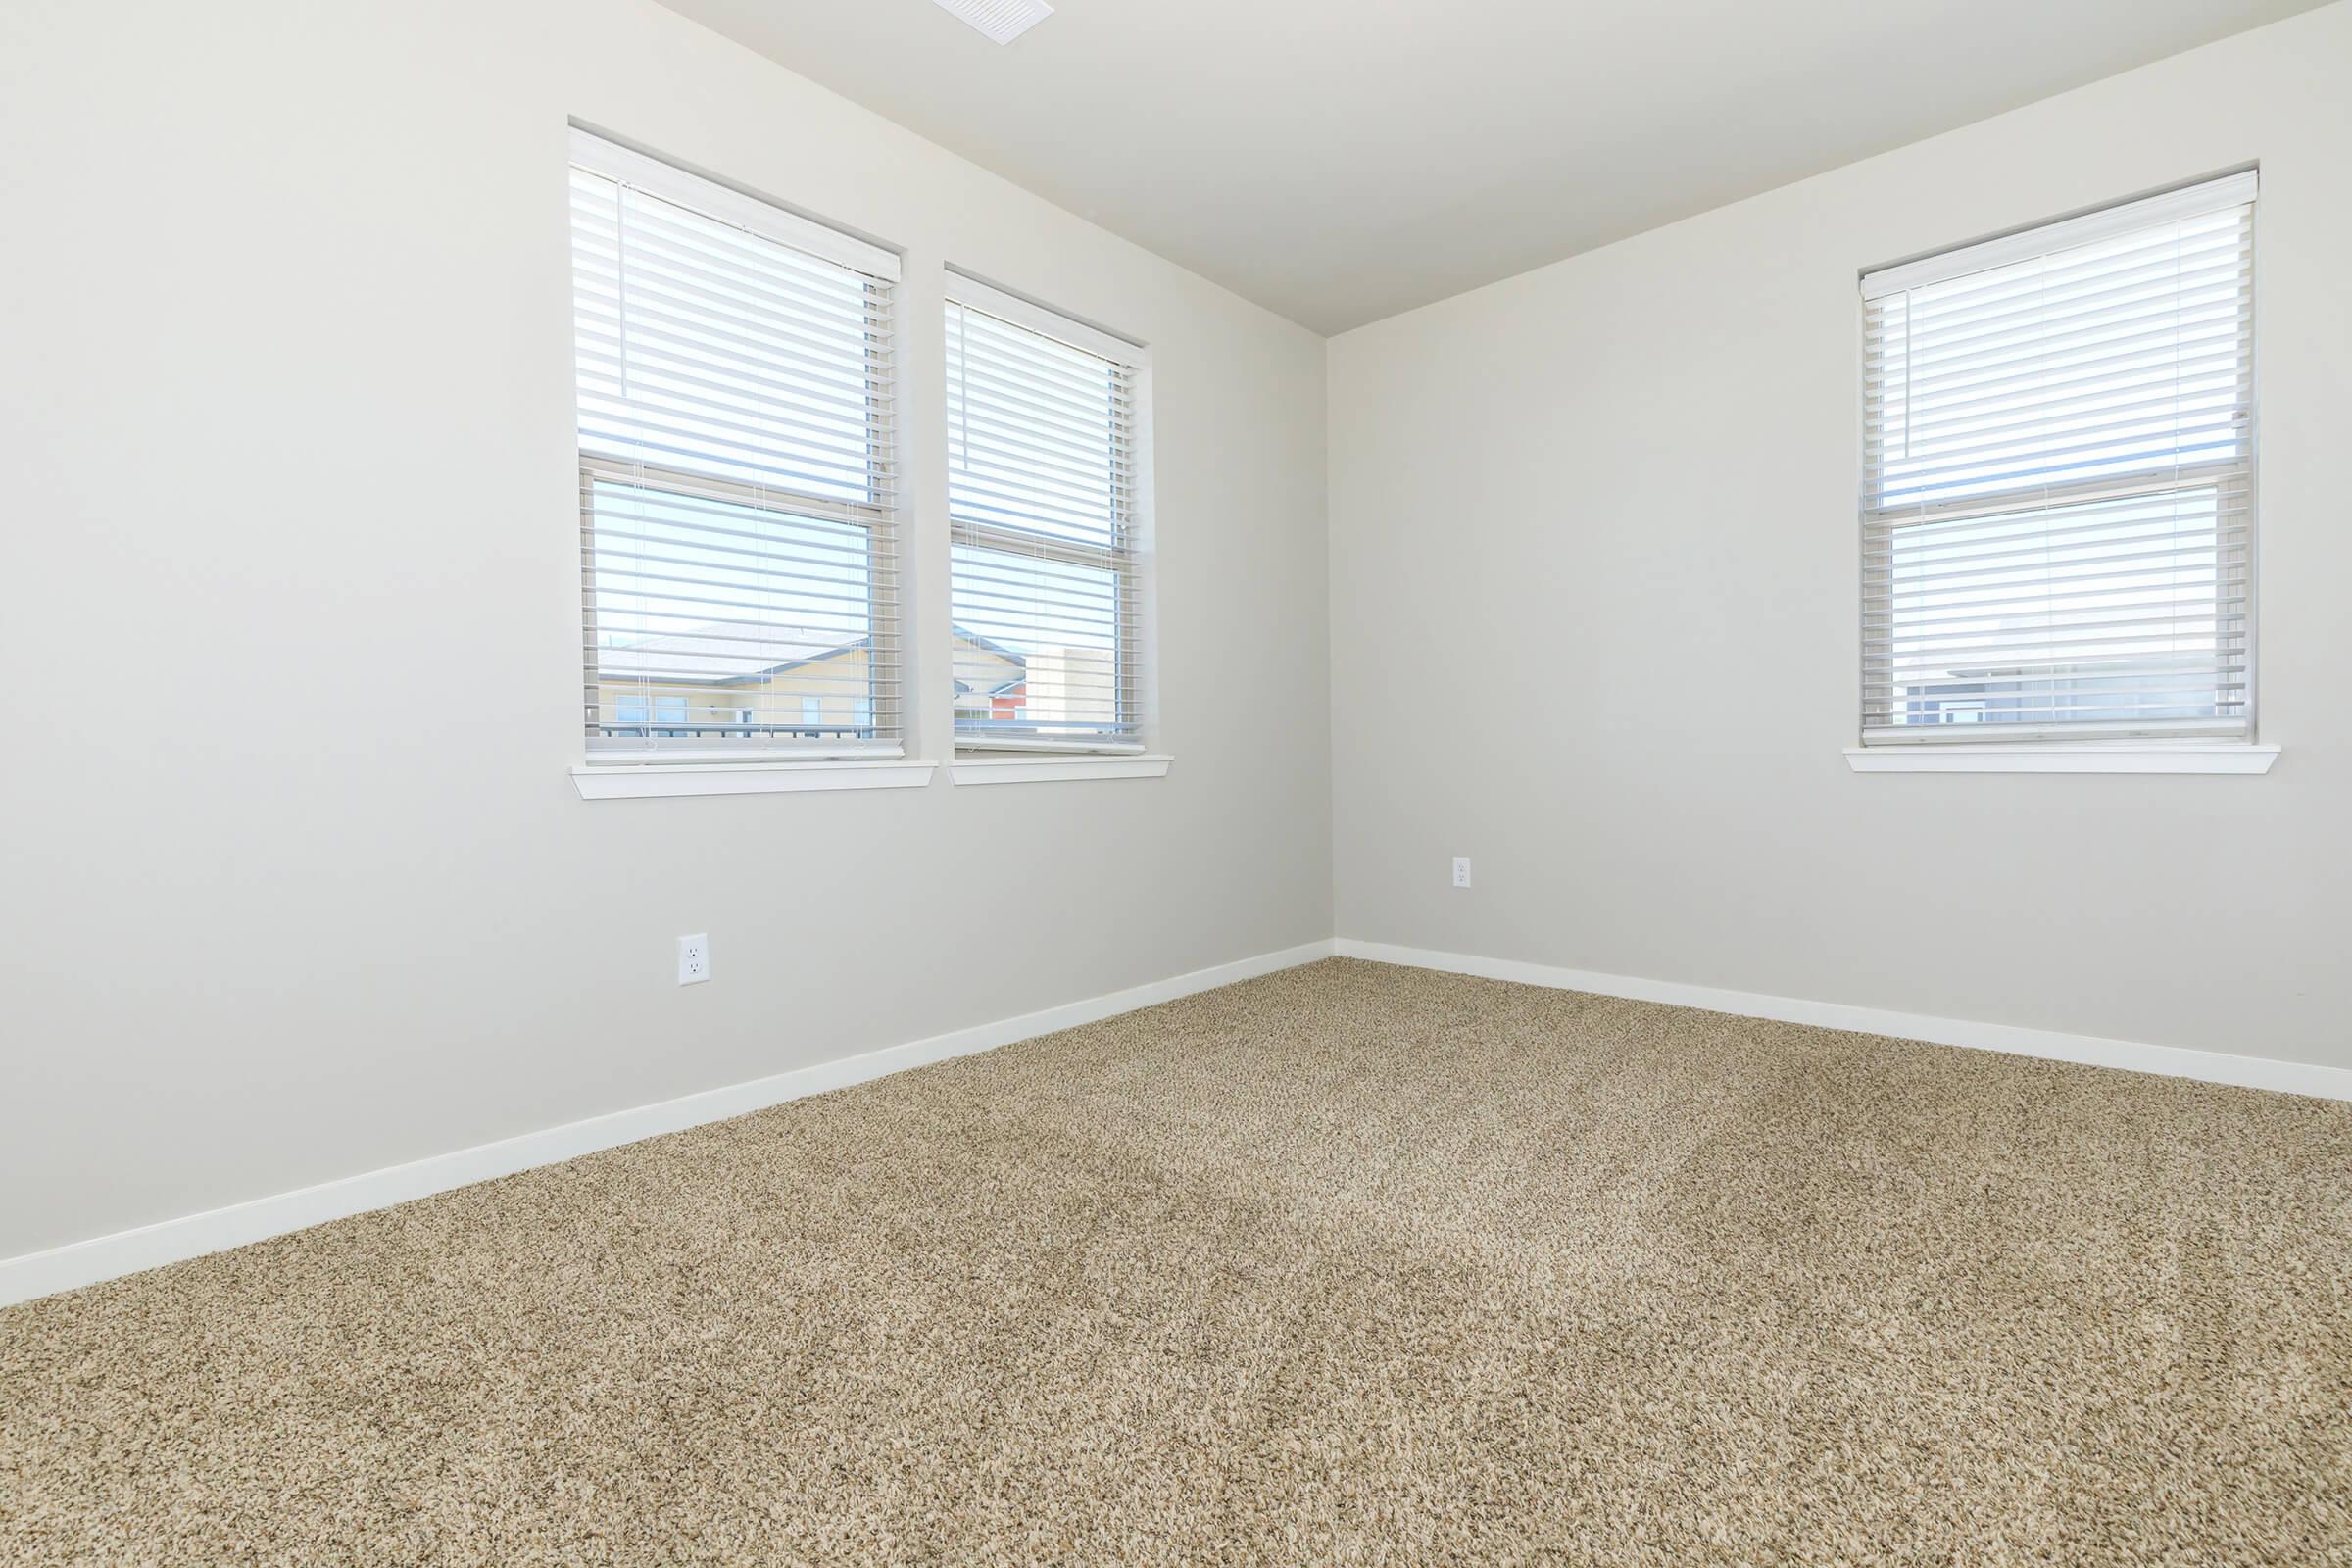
x=293, y=884
x=1594, y=611
x=296, y=883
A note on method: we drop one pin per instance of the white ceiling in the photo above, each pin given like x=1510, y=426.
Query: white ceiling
x=1338, y=160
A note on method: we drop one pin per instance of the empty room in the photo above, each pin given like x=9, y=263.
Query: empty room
x=860, y=782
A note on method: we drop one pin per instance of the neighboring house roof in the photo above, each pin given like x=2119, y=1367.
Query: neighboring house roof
x=716, y=653
x=988, y=647
x=967, y=697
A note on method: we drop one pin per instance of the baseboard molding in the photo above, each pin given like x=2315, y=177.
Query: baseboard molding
x=2170, y=1061
x=172, y=1241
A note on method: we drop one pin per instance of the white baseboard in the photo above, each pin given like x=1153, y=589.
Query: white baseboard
x=2170, y=1061
x=172, y=1240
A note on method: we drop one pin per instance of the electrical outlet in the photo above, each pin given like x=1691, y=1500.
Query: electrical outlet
x=694, y=960
x=1461, y=870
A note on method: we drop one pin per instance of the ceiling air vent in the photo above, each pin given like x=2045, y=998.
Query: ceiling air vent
x=1003, y=20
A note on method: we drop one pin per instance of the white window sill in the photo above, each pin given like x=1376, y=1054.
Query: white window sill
x=2117, y=758
x=624, y=781
x=1047, y=767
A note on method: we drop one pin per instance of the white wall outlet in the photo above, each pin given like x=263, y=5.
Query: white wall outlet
x=694, y=960
x=1461, y=870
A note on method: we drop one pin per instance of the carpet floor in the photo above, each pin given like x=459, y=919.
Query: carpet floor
x=1348, y=1264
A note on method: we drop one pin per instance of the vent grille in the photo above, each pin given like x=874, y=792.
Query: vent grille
x=1001, y=20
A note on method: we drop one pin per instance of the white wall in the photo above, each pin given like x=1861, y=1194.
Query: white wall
x=1594, y=611
x=293, y=883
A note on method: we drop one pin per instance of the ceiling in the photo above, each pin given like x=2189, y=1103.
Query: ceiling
x=1338, y=160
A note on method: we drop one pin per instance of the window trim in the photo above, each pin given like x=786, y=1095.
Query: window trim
x=621, y=781
x=1133, y=560
x=2068, y=756
x=1041, y=767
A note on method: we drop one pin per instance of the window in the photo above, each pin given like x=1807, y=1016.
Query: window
x=737, y=479
x=2058, y=480
x=1046, y=500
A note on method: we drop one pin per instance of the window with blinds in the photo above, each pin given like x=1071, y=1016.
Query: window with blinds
x=2058, y=480
x=1046, y=497
x=738, y=567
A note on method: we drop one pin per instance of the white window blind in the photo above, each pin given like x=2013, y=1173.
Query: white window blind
x=2058, y=480
x=738, y=557
x=1046, y=497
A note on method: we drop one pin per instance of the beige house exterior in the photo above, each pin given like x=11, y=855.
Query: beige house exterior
x=710, y=682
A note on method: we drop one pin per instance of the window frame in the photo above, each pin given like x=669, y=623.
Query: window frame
x=783, y=758
x=2092, y=746
x=1126, y=560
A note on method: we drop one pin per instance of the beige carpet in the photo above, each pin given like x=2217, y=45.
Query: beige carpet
x=1349, y=1264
